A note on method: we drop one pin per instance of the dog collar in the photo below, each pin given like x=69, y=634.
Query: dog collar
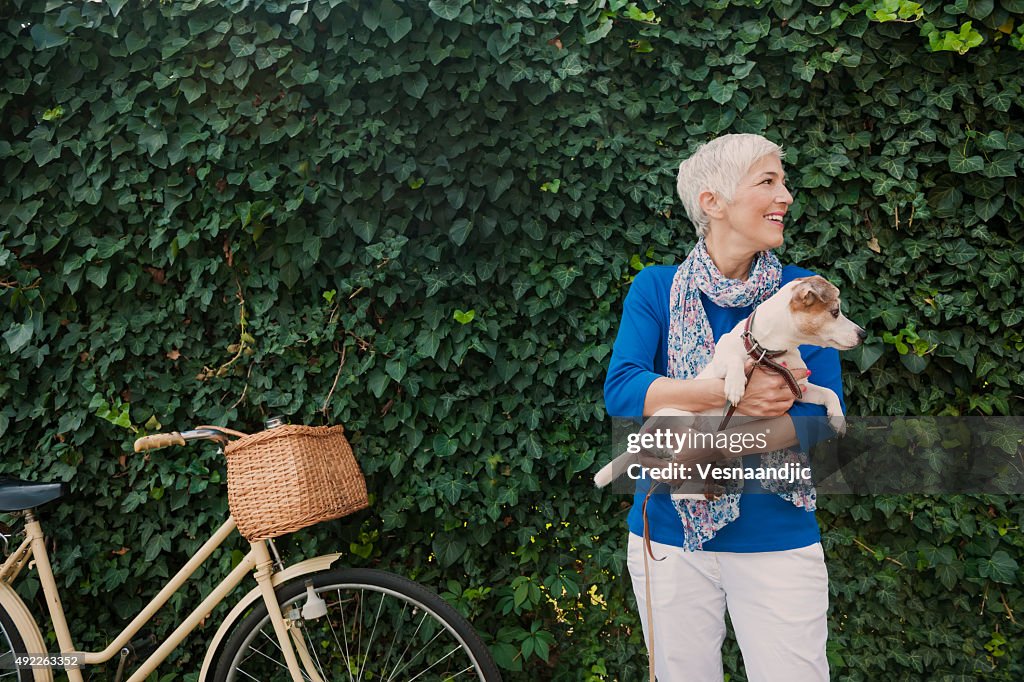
x=755, y=350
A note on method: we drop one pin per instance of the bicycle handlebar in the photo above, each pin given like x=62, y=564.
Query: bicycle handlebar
x=162, y=440
x=158, y=440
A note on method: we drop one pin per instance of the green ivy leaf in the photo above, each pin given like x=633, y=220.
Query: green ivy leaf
x=396, y=368
x=949, y=575
x=173, y=46
x=448, y=10
x=448, y=548
x=18, y=336
x=915, y=364
x=459, y=231
x=239, y=47
x=364, y=229
x=45, y=37
x=564, y=275
x=959, y=163
x=1001, y=101
x=116, y=6
x=865, y=355
x=398, y=28
x=1001, y=568
x=1003, y=165
x=722, y=92
x=415, y=85
x=377, y=382
x=602, y=30
x=1013, y=317
x=153, y=139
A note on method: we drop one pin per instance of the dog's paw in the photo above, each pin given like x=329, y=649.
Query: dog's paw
x=735, y=385
x=838, y=423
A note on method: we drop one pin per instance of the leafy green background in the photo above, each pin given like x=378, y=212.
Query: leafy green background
x=420, y=219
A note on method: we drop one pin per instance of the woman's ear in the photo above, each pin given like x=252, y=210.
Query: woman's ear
x=710, y=204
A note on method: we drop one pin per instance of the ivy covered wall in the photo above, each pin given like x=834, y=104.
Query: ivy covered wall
x=420, y=220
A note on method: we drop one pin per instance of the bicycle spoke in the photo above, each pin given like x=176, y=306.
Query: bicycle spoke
x=464, y=670
x=316, y=657
x=369, y=643
x=418, y=626
x=358, y=623
x=435, y=662
x=348, y=657
x=256, y=650
x=421, y=650
x=401, y=622
x=247, y=674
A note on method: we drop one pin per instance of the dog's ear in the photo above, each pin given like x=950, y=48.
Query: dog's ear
x=807, y=296
x=814, y=291
x=805, y=293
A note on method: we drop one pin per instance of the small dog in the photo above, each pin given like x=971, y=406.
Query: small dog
x=805, y=311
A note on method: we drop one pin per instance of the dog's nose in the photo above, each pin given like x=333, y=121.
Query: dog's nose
x=861, y=334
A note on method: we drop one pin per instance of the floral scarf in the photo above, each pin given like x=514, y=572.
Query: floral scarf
x=691, y=345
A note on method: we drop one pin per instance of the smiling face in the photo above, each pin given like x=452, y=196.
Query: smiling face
x=753, y=220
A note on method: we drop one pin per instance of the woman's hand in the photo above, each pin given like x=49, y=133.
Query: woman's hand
x=767, y=394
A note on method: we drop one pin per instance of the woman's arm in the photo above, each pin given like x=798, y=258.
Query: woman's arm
x=643, y=327
x=767, y=394
x=692, y=395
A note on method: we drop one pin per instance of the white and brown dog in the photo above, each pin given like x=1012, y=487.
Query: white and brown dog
x=805, y=311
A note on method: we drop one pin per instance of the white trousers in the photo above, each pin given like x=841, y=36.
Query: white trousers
x=777, y=601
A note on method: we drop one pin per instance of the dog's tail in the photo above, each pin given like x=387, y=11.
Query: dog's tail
x=610, y=471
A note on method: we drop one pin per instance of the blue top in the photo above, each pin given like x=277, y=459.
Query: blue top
x=767, y=523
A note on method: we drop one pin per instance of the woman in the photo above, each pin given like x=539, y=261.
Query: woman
x=757, y=555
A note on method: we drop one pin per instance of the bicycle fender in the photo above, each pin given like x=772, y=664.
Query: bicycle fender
x=314, y=565
x=27, y=628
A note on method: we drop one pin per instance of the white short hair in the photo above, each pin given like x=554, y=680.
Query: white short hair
x=718, y=166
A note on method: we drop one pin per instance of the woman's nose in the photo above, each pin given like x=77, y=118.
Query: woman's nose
x=784, y=196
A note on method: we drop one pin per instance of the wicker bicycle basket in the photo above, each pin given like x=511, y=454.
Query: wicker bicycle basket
x=290, y=477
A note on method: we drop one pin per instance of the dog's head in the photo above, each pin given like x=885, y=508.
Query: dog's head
x=817, y=314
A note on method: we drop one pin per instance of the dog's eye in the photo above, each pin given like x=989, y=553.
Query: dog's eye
x=835, y=313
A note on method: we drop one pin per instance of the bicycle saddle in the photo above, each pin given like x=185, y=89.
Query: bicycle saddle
x=18, y=495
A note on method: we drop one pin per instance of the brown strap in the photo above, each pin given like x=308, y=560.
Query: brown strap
x=647, y=583
x=647, y=530
x=786, y=374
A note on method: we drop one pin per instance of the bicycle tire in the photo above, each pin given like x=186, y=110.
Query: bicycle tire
x=252, y=651
x=11, y=643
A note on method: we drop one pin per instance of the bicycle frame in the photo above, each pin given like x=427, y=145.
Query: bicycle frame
x=33, y=548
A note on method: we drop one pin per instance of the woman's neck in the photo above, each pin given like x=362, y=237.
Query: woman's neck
x=732, y=264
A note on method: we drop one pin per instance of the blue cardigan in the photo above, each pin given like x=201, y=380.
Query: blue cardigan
x=767, y=522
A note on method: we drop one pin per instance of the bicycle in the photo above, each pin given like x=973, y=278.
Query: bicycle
x=303, y=622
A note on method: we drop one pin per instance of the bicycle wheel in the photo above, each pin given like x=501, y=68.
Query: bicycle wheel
x=11, y=643
x=378, y=626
